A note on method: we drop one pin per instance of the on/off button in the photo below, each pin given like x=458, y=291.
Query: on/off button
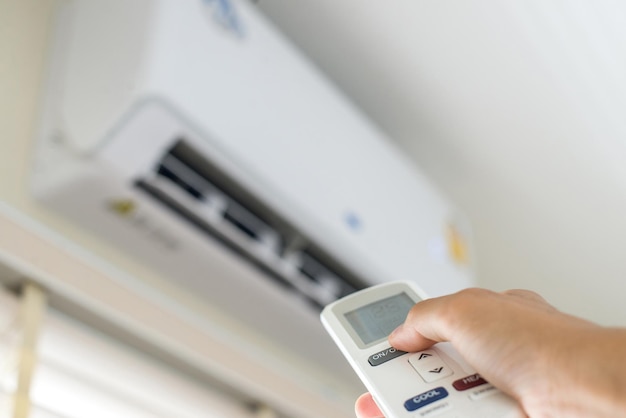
x=384, y=356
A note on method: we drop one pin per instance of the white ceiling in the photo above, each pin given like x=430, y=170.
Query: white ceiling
x=516, y=109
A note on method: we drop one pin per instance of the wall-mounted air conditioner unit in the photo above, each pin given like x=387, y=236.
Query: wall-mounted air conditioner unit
x=192, y=134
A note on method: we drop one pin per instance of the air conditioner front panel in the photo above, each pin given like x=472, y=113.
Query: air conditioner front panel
x=285, y=129
x=310, y=200
x=273, y=122
x=396, y=227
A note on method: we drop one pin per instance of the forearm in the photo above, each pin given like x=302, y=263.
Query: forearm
x=586, y=377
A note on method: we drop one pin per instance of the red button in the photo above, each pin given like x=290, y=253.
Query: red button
x=469, y=382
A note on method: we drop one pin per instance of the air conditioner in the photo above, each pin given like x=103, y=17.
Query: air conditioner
x=193, y=135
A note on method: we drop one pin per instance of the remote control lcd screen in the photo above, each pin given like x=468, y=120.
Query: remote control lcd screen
x=376, y=321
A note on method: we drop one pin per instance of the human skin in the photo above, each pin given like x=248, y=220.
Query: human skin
x=553, y=364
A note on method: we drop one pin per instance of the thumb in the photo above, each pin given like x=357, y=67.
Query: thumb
x=406, y=338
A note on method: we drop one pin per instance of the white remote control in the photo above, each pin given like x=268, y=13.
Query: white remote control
x=432, y=383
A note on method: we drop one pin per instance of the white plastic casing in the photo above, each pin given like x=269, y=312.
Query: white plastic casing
x=260, y=110
x=420, y=380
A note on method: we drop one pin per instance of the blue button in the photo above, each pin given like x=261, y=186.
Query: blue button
x=425, y=398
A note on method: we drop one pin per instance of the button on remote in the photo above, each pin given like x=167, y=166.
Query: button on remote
x=469, y=382
x=426, y=398
x=430, y=366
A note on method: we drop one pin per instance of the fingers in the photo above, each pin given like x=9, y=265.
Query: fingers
x=439, y=319
x=428, y=321
x=407, y=338
x=365, y=407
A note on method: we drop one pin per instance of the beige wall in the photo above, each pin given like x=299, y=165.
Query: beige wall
x=23, y=28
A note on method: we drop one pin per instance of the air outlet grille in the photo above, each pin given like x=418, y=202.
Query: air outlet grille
x=195, y=190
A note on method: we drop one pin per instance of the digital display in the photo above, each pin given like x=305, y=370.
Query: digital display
x=376, y=321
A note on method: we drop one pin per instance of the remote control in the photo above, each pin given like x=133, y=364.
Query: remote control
x=436, y=382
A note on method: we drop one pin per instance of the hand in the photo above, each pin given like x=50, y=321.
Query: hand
x=553, y=364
